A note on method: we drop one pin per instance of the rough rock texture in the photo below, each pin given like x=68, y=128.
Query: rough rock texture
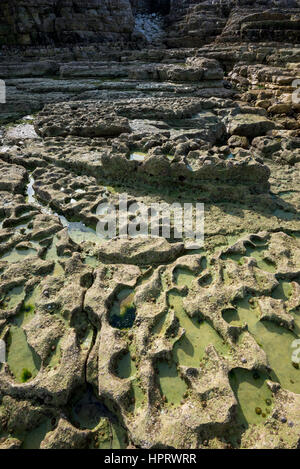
x=190, y=23
x=194, y=23
x=122, y=342
x=50, y=21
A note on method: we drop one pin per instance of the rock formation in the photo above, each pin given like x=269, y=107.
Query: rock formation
x=61, y=21
x=154, y=341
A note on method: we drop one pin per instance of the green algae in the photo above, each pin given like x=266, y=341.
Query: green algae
x=13, y=298
x=114, y=189
x=170, y=157
x=159, y=324
x=18, y=255
x=237, y=257
x=172, y=386
x=205, y=281
x=21, y=358
x=91, y=261
x=231, y=316
x=253, y=396
x=26, y=375
x=283, y=291
x=51, y=255
x=119, y=437
x=125, y=369
x=284, y=214
x=138, y=393
x=258, y=252
x=126, y=366
x=183, y=277
x=296, y=314
x=277, y=343
x=145, y=277
x=190, y=349
x=34, y=438
x=87, y=412
x=87, y=339
x=275, y=340
x=23, y=362
x=264, y=263
x=104, y=436
x=122, y=313
x=28, y=309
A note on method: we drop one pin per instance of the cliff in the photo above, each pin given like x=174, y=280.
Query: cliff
x=187, y=23
x=31, y=22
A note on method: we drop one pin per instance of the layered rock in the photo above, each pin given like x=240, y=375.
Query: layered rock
x=194, y=23
x=59, y=21
x=257, y=25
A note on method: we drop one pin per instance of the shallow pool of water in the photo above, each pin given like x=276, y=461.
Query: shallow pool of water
x=126, y=367
x=258, y=253
x=183, y=277
x=190, y=349
x=123, y=311
x=276, y=341
x=171, y=384
x=23, y=362
x=13, y=298
x=253, y=396
x=18, y=255
x=138, y=156
x=79, y=232
x=34, y=438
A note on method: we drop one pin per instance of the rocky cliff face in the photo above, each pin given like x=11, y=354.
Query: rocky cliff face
x=28, y=22
x=189, y=23
x=194, y=23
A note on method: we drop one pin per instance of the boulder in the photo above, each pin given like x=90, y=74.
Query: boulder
x=249, y=125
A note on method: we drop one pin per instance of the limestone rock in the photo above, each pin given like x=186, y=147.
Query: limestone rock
x=250, y=125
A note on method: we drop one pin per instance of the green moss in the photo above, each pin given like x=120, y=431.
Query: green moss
x=183, y=276
x=126, y=366
x=26, y=375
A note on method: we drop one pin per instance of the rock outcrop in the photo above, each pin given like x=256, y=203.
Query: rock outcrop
x=121, y=328
x=194, y=23
x=59, y=21
x=189, y=23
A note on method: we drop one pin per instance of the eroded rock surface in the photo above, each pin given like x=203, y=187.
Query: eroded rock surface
x=142, y=342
